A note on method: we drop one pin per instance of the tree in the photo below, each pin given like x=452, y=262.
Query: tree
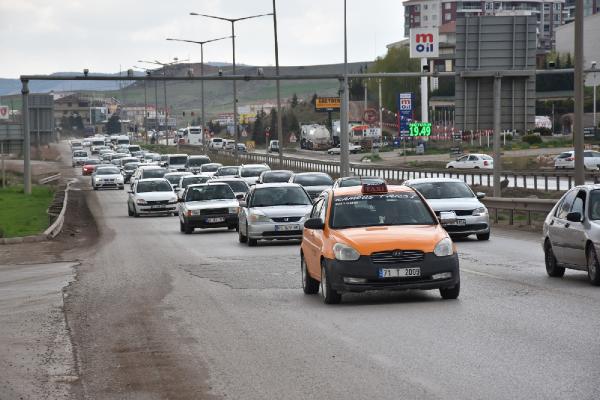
x=293, y=126
x=273, y=118
x=258, y=129
x=313, y=101
x=294, y=100
x=113, y=125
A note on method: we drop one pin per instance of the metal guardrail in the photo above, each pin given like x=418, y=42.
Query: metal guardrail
x=537, y=180
x=58, y=223
x=49, y=179
x=518, y=205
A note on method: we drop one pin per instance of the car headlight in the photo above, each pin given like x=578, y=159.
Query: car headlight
x=344, y=252
x=233, y=210
x=259, y=218
x=444, y=248
x=194, y=212
x=479, y=212
x=141, y=201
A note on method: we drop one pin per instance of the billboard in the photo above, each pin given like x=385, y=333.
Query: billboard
x=424, y=43
x=405, y=112
x=327, y=104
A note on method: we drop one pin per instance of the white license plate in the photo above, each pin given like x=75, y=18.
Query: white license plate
x=283, y=228
x=461, y=222
x=399, y=272
x=156, y=207
x=215, y=220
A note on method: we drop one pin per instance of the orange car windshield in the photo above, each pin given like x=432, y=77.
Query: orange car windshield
x=379, y=210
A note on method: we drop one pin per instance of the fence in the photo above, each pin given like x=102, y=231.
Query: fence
x=513, y=206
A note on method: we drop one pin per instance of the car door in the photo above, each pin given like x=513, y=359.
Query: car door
x=588, y=160
x=244, y=211
x=461, y=162
x=311, y=245
x=574, y=240
x=472, y=162
x=558, y=230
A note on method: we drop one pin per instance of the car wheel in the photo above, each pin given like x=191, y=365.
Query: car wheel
x=187, y=229
x=450, y=167
x=309, y=285
x=476, y=167
x=593, y=266
x=129, y=212
x=330, y=296
x=241, y=237
x=483, y=236
x=450, y=293
x=552, y=268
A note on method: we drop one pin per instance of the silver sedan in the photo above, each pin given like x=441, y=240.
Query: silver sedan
x=273, y=211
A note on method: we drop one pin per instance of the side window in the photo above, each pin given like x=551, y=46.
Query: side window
x=473, y=158
x=587, y=154
x=566, y=204
x=316, y=210
x=579, y=203
x=465, y=158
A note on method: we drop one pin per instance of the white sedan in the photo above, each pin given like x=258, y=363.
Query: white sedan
x=352, y=148
x=472, y=161
x=591, y=160
x=107, y=177
x=151, y=196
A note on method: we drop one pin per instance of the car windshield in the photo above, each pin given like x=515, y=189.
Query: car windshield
x=313, y=180
x=174, y=179
x=209, y=192
x=280, y=196
x=228, y=171
x=276, y=176
x=154, y=186
x=253, y=171
x=359, y=181
x=107, y=171
x=237, y=186
x=197, y=162
x=154, y=173
x=210, y=168
x=443, y=190
x=379, y=210
x=130, y=166
x=177, y=160
x=193, y=180
x=594, y=205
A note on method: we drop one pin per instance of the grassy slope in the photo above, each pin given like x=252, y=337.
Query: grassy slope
x=22, y=215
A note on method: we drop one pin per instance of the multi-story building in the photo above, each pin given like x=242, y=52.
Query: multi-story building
x=590, y=7
x=435, y=13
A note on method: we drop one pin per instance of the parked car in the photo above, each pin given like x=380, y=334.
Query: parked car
x=472, y=161
x=571, y=233
x=251, y=172
x=151, y=196
x=273, y=211
x=239, y=186
x=269, y=176
x=313, y=182
x=107, y=177
x=357, y=181
x=208, y=205
x=454, y=195
x=79, y=157
x=591, y=160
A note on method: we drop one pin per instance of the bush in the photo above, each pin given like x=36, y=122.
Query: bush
x=543, y=131
x=532, y=139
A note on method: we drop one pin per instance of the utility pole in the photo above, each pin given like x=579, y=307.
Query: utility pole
x=578, y=84
x=26, y=138
x=380, y=111
x=344, y=110
x=278, y=85
x=497, y=127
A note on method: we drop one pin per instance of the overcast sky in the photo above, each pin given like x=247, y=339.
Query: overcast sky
x=41, y=36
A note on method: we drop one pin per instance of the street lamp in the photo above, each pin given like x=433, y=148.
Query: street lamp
x=164, y=65
x=201, y=43
x=594, y=85
x=232, y=21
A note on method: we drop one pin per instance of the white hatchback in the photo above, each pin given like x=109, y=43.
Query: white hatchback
x=591, y=160
x=472, y=161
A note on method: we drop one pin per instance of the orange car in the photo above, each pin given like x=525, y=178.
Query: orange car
x=373, y=237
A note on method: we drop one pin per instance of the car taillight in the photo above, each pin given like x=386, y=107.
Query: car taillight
x=571, y=159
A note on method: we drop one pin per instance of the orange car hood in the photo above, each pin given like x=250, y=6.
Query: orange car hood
x=381, y=238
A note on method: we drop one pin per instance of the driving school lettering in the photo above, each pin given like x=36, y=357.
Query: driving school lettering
x=390, y=196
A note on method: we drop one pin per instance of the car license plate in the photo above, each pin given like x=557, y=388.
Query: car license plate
x=399, y=272
x=461, y=222
x=215, y=220
x=156, y=207
x=283, y=228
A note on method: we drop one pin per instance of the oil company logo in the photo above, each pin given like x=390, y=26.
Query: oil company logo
x=424, y=43
x=4, y=112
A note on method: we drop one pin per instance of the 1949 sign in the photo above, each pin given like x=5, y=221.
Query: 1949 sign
x=419, y=128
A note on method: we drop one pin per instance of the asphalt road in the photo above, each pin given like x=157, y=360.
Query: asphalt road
x=157, y=314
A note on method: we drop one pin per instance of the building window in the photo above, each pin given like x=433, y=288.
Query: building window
x=417, y=20
x=417, y=8
x=489, y=6
x=434, y=17
x=425, y=6
x=557, y=6
x=448, y=6
x=424, y=17
x=448, y=16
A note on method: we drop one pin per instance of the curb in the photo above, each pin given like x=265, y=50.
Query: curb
x=50, y=232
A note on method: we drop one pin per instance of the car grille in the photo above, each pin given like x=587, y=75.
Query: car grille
x=214, y=211
x=459, y=213
x=157, y=202
x=287, y=219
x=464, y=228
x=397, y=256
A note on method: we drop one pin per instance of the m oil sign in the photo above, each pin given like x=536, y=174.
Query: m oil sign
x=424, y=43
x=3, y=112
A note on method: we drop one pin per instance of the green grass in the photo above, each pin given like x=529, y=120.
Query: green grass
x=22, y=215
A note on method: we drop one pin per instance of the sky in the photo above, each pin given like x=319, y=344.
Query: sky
x=45, y=36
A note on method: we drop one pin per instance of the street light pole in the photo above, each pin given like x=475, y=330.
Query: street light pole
x=278, y=85
x=233, y=21
x=344, y=139
x=594, y=86
x=578, y=84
